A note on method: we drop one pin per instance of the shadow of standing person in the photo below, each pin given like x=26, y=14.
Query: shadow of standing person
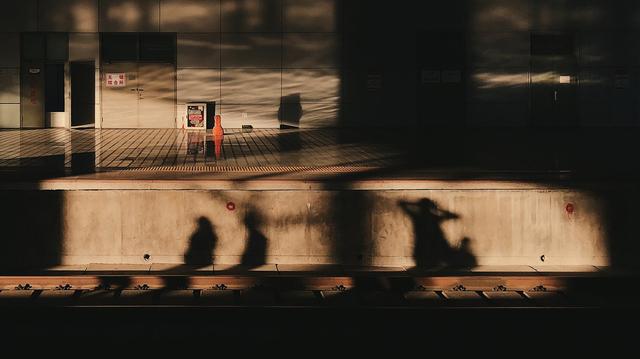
x=199, y=254
x=201, y=244
x=255, y=253
x=431, y=248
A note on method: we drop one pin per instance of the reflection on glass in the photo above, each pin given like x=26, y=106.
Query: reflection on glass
x=195, y=143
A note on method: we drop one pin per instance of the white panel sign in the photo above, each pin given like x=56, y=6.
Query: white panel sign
x=565, y=79
x=115, y=80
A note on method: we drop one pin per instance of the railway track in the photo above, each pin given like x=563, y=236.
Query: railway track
x=369, y=311
x=366, y=290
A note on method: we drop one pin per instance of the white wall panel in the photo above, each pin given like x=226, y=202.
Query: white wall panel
x=190, y=15
x=199, y=50
x=84, y=47
x=9, y=115
x=251, y=86
x=196, y=85
x=129, y=15
x=68, y=15
x=252, y=50
x=251, y=15
x=9, y=85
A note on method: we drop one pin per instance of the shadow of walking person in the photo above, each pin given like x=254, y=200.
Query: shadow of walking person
x=199, y=254
x=255, y=253
x=431, y=249
x=201, y=244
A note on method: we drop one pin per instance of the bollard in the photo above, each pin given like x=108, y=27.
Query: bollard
x=218, y=135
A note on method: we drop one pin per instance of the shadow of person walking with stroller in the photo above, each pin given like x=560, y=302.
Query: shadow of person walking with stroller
x=431, y=247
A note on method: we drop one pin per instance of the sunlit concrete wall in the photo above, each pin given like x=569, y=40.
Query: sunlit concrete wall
x=319, y=63
x=504, y=227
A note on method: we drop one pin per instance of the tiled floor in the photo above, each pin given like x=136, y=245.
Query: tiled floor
x=439, y=153
x=143, y=148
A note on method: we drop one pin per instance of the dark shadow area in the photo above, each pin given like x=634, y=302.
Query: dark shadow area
x=431, y=247
x=290, y=142
x=350, y=217
x=32, y=229
x=82, y=75
x=619, y=214
x=290, y=111
x=83, y=155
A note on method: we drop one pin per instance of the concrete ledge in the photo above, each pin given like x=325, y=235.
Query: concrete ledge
x=308, y=270
x=71, y=184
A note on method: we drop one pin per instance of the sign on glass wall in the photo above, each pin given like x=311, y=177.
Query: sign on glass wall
x=196, y=116
x=116, y=80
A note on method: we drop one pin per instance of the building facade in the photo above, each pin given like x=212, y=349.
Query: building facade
x=320, y=63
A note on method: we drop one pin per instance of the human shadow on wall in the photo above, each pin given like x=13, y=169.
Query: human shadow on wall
x=255, y=253
x=431, y=247
x=201, y=244
x=255, y=250
x=199, y=254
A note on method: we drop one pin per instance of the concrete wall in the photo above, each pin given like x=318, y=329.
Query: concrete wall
x=353, y=62
x=504, y=227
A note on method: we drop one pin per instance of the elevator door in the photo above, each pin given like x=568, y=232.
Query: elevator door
x=146, y=100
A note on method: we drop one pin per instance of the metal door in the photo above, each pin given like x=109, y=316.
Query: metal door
x=157, y=103
x=120, y=103
x=146, y=101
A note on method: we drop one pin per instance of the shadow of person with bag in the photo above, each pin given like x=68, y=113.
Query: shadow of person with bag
x=431, y=247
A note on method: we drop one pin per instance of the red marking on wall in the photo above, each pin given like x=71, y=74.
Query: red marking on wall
x=570, y=208
x=231, y=206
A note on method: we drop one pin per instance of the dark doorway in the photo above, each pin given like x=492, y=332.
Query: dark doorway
x=54, y=87
x=82, y=93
